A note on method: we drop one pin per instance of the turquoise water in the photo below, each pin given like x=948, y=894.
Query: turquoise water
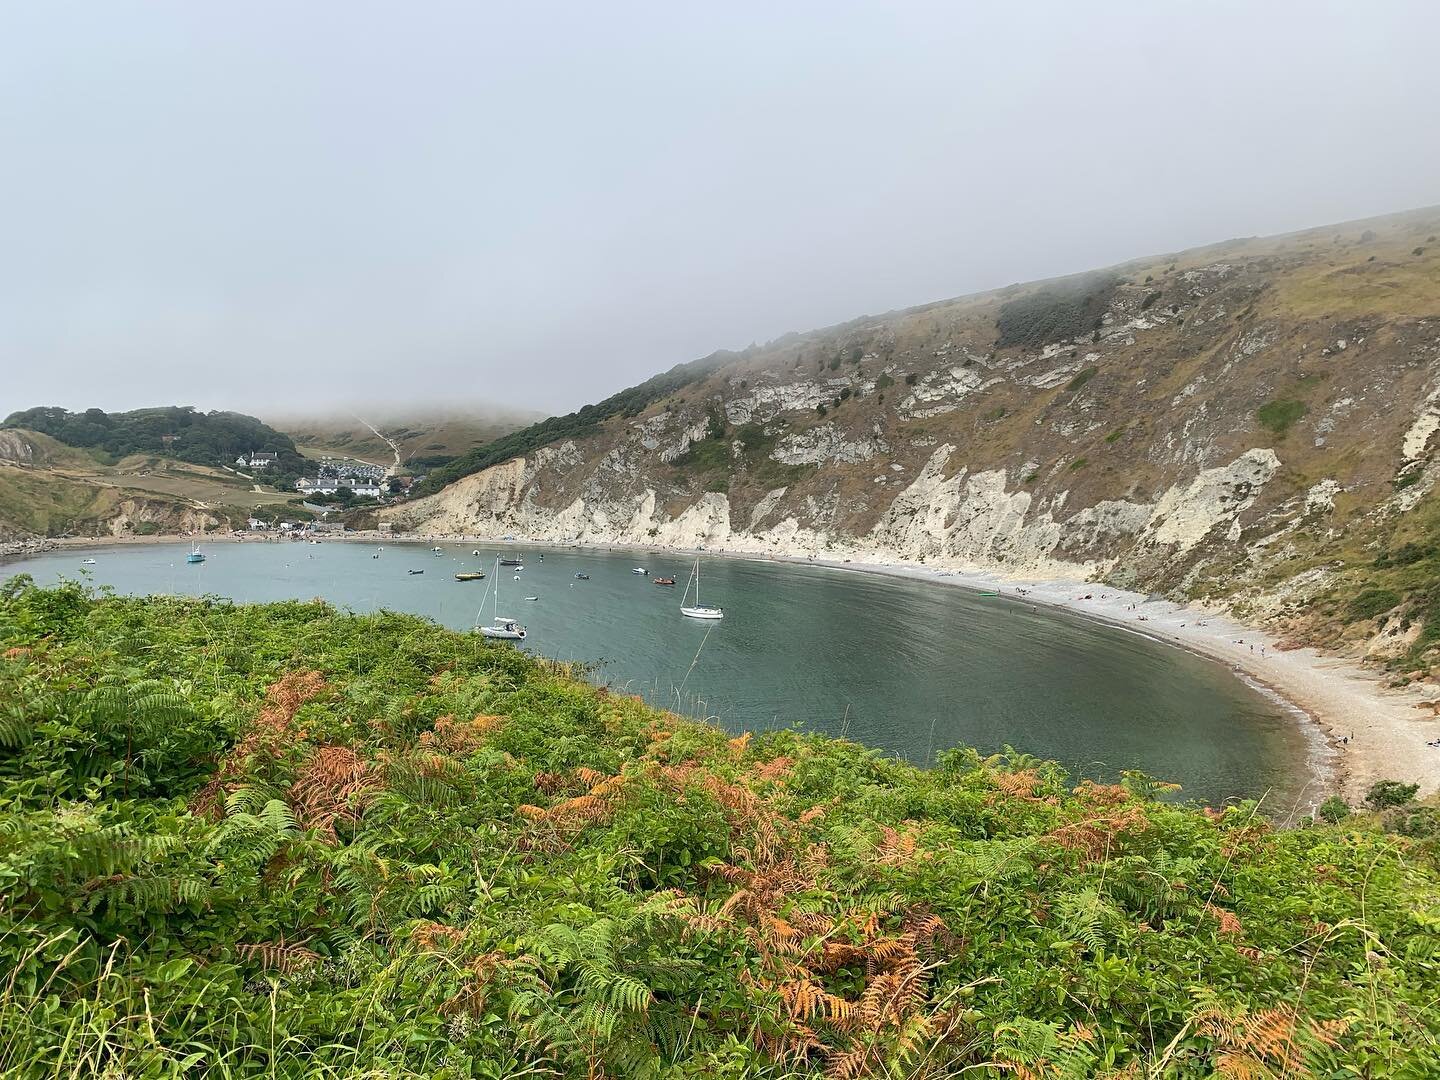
x=906, y=666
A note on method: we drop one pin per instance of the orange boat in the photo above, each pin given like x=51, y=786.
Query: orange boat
x=664, y=581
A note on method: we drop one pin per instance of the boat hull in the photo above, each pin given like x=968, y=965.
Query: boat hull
x=702, y=613
x=499, y=633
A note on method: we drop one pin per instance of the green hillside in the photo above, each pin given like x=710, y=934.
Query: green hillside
x=282, y=841
x=182, y=432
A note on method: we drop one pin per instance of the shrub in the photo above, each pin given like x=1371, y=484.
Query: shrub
x=1387, y=793
x=1082, y=378
x=1369, y=603
x=1078, y=463
x=1150, y=298
x=1115, y=436
x=1055, y=313
x=911, y=379
x=1333, y=810
x=883, y=381
x=296, y=842
x=1406, y=554
x=1279, y=415
x=820, y=409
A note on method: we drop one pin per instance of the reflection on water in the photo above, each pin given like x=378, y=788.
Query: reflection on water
x=907, y=666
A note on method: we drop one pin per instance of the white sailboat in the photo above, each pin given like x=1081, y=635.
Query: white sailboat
x=698, y=610
x=501, y=626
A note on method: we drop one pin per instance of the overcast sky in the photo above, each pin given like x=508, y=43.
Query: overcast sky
x=280, y=206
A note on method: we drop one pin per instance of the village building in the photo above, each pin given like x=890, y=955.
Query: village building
x=331, y=485
x=257, y=460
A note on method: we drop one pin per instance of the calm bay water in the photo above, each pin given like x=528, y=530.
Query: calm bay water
x=906, y=666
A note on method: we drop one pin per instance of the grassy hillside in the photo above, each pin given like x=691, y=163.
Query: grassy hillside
x=283, y=841
x=40, y=503
x=212, y=439
x=50, y=488
x=423, y=437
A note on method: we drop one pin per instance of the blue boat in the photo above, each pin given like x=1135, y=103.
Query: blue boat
x=195, y=556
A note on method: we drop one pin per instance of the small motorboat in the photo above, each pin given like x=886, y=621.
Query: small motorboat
x=376, y=555
x=195, y=556
x=435, y=549
x=470, y=575
x=475, y=552
x=512, y=561
x=581, y=576
x=517, y=569
x=639, y=570
x=532, y=598
x=88, y=562
x=415, y=571
x=663, y=580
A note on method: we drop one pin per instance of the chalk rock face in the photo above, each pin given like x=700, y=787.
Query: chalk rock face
x=943, y=391
x=827, y=445
x=16, y=449
x=1184, y=516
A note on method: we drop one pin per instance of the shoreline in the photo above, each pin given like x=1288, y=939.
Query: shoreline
x=1360, y=730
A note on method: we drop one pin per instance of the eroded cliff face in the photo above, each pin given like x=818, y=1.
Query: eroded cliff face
x=1229, y=414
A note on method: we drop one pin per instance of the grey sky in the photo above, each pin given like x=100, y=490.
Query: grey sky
x=268, y=206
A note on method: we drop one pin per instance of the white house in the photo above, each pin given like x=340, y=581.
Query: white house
x=325, y=485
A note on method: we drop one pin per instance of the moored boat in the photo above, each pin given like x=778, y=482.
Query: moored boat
x=698, y=610
x=502, y=627
x=663, y=581
x=195, y=556
x=470, y=575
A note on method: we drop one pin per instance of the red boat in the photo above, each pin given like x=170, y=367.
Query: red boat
x=664, y=580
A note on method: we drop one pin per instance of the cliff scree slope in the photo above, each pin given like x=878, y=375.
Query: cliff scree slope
x=1250, y=423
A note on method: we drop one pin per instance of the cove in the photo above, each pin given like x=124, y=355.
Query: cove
x=906, y=666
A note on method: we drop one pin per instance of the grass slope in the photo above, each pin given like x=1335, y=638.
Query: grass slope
x=423, y=436
x=285, y=841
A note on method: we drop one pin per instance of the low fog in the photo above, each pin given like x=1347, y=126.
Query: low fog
x=291, y=209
